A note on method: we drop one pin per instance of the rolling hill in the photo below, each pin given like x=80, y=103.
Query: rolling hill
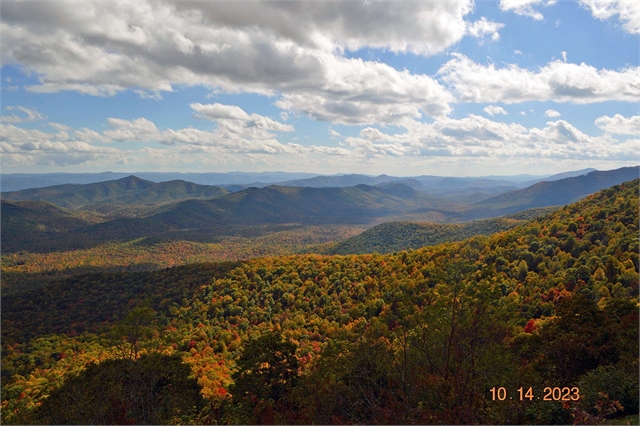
x=278, y=204
x=424, y=334
x=20, y=181
x=28, y=225
x=204, y=220
x=112, y=195
x=396, y=236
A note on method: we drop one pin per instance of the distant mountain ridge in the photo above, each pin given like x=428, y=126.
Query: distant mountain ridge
x=206, y=219
x=202, y=219
x=106, y=196
x=551, y=193
x=236, y=181
x=20, y=181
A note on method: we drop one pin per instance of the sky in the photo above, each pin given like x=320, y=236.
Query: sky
x=406, y=88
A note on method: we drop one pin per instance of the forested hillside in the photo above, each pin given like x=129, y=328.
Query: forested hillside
x=395, y=236
x=428, y=336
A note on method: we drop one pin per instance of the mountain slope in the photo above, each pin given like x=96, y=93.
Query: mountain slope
x=205, y=220
x=109, y=195
x=396, y=236
x=551, y=301
x=279, y=204
x=552, y=193
x=26, y=224
x=559, y=176
x=548, y=247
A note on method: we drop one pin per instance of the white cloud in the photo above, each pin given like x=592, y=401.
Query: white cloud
x=25, y=115
x=479, y=137
x=628, y=12
x=494, y=110
x=34, y=147
x=483, y=27
x=102, y=90
x=473, y=136
x=418, y=27
x=237, y=132
x=552, y=113
x=619, y=124
x=219, y=111
x=139, y=130
x=329, y=150
x=354, y=91
x=557, y=81
x=232, y=119
x=525, y=7
x=285, y=49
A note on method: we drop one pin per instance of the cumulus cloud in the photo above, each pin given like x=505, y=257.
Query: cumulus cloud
x=68, y=146
x=526, y=7
x=353, y=91
x=421, y=27
x=552, y=113
x=619, y=124
x=235, y=119
x=483, y=138
x=35, y=147
x=237, y=132
x=24, y=115
x=472, y=136
x=557, y=81
x=286, y=49
x=494, y=110
x=628, y=12
x=140, y=130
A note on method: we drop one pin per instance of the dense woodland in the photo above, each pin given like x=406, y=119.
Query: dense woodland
x=432, y=335
x=396, y=236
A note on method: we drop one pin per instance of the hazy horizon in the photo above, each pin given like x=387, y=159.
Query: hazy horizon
x=266, y=172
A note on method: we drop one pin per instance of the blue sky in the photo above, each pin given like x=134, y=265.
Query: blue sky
x=457, y=88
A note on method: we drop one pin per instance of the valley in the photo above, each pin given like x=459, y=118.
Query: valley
x=539, y=288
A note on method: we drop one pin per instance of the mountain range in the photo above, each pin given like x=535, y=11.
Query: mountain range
x=115, y=194
x=236, y=181
x=128, y=208
x=554, y=193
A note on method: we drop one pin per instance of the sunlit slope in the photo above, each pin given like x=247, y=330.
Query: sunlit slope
x=395, y=236
x=553, y=301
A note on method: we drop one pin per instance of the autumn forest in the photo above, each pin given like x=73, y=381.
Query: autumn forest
x=133, y=304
